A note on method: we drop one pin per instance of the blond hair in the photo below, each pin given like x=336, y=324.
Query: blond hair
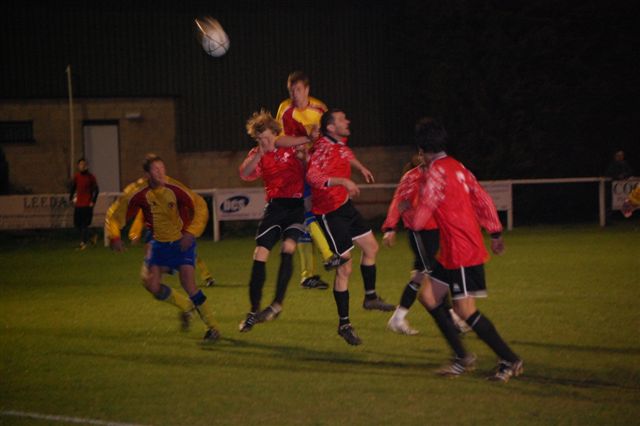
x=261, y=121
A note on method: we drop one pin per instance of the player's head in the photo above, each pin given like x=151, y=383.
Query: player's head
x=82, y=165
x=298, y=86
x=430, y=136
x=619, y=155
x=334, y=123
x=262, y=127
x=154, y=170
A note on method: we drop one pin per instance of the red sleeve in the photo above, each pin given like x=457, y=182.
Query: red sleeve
x=483, y=206
x=393, y=214
x=257, y=172
x=431, y=196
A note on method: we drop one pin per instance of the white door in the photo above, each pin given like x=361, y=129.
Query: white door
x=102, y=151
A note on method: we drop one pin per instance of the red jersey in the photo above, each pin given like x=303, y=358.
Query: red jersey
x=408, y=190
x=329, y=158
x=85, y=187
x=460, y=206
x=281, y=171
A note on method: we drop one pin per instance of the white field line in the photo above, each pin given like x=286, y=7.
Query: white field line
x=79, y=420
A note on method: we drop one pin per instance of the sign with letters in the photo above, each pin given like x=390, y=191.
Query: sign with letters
x=41, y=211
x=239, y=203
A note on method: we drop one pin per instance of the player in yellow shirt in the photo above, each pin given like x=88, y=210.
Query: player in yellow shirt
x=176, y=216
x=136, y=231
x=300, y=115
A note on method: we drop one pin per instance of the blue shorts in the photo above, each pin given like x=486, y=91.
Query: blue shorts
x=169, y=255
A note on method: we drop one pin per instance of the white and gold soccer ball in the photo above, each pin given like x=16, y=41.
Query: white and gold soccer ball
x=213, y=38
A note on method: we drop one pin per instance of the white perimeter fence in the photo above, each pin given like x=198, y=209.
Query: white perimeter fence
x=41, y=211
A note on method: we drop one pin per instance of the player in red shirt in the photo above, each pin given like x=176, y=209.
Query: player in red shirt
x=329, y=174
x=283, y=176
x=83, y=194
x=452, y=195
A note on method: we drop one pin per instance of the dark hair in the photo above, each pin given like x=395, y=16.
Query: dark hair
x=328, y=118
x=430, y=135
x=149, y=159
x=81, y=159
x=297, y=76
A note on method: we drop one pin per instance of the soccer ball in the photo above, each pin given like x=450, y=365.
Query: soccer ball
x=212, y=36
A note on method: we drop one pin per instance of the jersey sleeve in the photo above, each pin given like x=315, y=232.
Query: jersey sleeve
x=393, y=212
x=137, y=226
x=257, y=172
x=193, y=209
x=118, y=214
x=483, y=206
x=431, y=195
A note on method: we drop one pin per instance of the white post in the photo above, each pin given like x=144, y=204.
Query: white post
x=214, y=214
x=510, y=211
x=71, y=124
x=602, y=202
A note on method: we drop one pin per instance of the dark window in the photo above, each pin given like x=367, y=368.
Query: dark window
x=16, y=132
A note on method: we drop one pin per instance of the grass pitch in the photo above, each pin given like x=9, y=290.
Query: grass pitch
x=81, y=338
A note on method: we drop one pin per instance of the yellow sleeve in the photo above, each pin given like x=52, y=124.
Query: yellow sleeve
x=282, y=108
x=135, y=231
x=200, y=210
x=200, y=216
x=116, y=217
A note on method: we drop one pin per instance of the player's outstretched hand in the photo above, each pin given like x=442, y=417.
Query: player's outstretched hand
x=368, y=176
x=389, y=239
x=186, y=241
x=497, y=245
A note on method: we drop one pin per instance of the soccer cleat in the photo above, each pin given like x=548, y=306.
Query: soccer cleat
x=458, y=366
x=507, y=370
x=347, y=332
x=212, y=335
x=314, y=282
x=401, y=327
x=209, y=282
x=83, y=246
x=461, y=325
x=248, y=323
x=185, y=320
x=334, y=261
x=379, y=304
x=268, y=314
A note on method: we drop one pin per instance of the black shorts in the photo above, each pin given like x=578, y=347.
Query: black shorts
x=283, y=217
x=342, y=226
x=424, y=245
x=466, y=281
x=82, y=217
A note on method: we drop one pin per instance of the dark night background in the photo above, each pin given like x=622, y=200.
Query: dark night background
x=526, y=89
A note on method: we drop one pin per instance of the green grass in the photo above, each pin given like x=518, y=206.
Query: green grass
x=80, y=337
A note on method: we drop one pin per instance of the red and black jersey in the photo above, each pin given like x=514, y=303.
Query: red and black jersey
x=281, y=171
x=85, y=187
x=452, y=195
x=329, y=158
